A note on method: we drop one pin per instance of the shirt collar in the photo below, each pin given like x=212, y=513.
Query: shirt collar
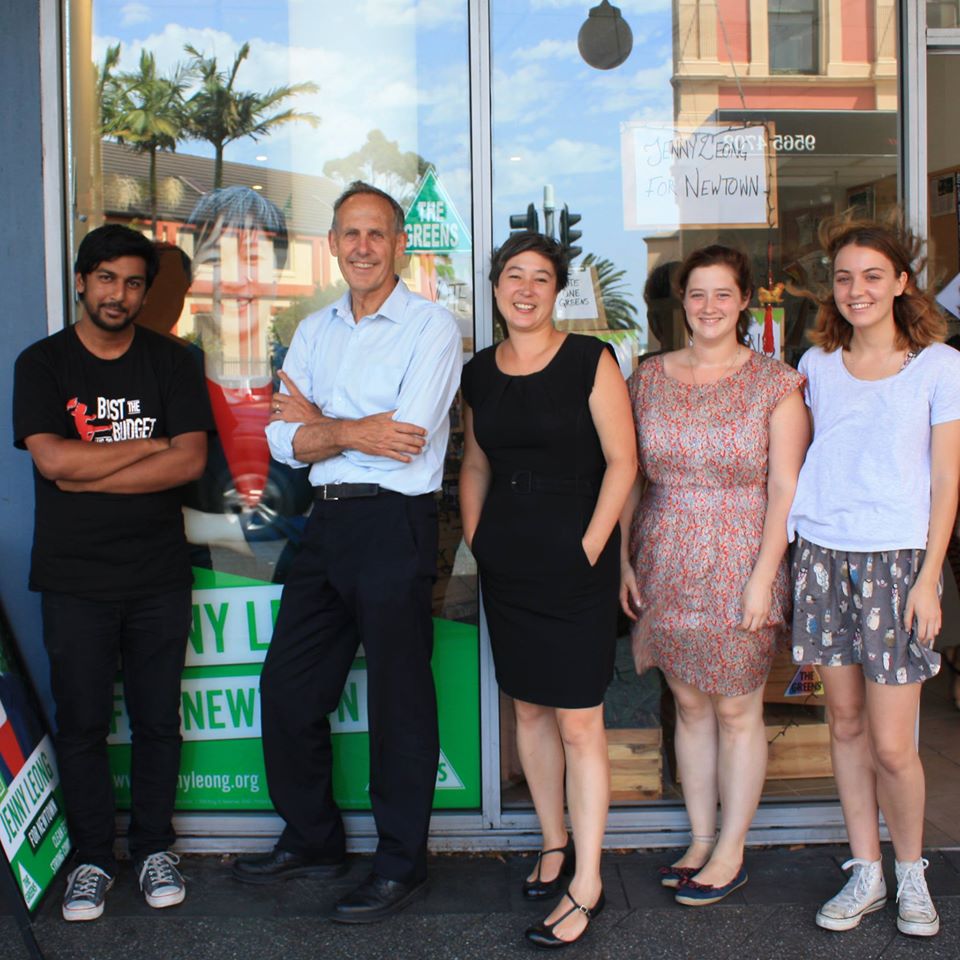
x=393, y=308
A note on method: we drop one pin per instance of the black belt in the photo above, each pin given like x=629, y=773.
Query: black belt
x=526, y=481
x=346, y=491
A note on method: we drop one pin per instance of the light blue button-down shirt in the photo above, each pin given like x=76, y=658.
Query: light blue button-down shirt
x=406, y=357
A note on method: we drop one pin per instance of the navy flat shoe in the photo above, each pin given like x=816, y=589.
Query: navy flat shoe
x=693, y=894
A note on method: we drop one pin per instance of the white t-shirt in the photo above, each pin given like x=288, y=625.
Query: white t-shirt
x=865, y=484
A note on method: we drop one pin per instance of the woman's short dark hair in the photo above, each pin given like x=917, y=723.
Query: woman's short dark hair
x=717, y=255
x=527, y=241
x=112, y=241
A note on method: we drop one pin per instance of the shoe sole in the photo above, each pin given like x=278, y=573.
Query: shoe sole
x=848, y=923
x=688, y=901
x=318, y=872
x=159, y=901
x=75, y=914
x=913, y=928
x=372, y=916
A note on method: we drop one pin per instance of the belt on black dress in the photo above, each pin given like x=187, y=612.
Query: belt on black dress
x=526, y=481
x=347, y=491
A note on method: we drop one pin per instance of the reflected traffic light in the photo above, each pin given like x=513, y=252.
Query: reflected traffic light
x=568, y=236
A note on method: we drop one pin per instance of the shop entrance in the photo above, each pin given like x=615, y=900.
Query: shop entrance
x=940, y=705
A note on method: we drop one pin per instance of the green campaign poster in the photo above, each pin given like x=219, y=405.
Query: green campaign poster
x=33, y=829
x=222, y=763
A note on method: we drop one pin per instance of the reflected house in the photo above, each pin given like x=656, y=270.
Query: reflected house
x=823, y=75
x=249, y=284
x=243, y=287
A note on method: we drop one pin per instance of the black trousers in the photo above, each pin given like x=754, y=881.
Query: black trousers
x=364, y=574
x=87, y=640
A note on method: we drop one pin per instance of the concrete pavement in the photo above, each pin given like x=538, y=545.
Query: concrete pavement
x=474, y=910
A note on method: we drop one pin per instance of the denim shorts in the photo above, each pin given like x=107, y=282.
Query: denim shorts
x=848, y=608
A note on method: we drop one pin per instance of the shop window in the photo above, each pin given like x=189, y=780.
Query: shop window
x=943, y=14
x=253, y=116
x=619, y=147
x=794, y=36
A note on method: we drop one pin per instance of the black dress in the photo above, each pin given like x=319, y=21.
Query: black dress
x=552, y=617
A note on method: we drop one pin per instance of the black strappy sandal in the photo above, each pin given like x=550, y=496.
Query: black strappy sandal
x=538, y=889
x=542, y=934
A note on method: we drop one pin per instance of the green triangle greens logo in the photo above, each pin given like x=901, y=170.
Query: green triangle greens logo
x=432, y=223
x=806, y=682
x=29, y=886
x=447, y=777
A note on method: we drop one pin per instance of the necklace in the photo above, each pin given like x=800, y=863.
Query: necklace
x=725, y=371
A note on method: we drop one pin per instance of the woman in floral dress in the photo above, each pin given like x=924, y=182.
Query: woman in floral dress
x=722, y=433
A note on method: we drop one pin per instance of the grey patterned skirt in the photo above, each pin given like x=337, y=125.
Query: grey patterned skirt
x=848, y=608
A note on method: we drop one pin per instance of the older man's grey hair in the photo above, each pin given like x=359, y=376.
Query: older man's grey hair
x=360, y=188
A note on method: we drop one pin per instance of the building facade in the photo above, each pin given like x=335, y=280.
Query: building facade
x=662, y=125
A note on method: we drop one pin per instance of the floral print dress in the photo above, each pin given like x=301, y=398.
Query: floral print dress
x=697, y=531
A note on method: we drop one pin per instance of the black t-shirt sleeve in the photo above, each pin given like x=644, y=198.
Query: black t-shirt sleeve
x=188, y=403
x=37, y=405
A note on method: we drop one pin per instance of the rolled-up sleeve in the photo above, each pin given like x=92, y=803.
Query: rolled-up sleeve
x=296, y=366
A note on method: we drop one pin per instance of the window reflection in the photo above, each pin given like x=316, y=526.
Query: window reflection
x=227, y=131
x=736, y=123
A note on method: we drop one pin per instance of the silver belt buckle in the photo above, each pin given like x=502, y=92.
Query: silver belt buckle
x=325, y=497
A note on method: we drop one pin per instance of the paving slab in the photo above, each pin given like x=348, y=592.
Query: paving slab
x=474, y=910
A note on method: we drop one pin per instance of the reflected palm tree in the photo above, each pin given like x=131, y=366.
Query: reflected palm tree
x=144, y=110
x=219, y=114
x=618, y=306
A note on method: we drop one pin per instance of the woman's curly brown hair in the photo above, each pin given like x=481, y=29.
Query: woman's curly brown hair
x=916, y=316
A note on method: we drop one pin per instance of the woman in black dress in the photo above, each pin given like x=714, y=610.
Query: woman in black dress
x=549, y=459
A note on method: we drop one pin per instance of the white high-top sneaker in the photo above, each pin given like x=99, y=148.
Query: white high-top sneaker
x=864, y=892
x=917, y=915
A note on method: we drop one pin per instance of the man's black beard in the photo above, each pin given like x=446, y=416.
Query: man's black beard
x=94, y=316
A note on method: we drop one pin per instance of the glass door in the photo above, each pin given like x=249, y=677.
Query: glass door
x=632, y=118
x=940, y=703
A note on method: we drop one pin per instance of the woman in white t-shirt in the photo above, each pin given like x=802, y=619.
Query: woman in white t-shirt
x=873, y=513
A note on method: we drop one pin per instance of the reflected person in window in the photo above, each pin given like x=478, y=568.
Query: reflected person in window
x=721, y=433
x=549, y=457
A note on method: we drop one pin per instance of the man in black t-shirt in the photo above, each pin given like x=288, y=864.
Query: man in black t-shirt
x=116, y=420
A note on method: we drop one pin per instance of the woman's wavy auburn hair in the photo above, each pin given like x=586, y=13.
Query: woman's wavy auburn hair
x=918, y=320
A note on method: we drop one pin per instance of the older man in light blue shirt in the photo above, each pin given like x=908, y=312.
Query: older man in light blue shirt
x=367, y=387
x=402, y=364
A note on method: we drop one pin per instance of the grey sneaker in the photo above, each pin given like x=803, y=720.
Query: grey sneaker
x=864, y=892
x=917, y=915
x=160, y=879
x=87, y=888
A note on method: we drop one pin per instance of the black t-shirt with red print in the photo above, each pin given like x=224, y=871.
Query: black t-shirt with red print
x=102, y=545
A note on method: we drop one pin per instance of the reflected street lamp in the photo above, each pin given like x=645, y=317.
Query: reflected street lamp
x=605, y=39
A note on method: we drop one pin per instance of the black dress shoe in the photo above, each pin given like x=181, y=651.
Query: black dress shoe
x=538, y=889
x=376, y=898
x=280, y=865
x=542, y=934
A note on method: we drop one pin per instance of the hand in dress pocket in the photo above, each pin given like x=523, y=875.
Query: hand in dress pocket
x=591, y=554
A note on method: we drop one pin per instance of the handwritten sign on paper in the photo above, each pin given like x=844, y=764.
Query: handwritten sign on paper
x=713, y=175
